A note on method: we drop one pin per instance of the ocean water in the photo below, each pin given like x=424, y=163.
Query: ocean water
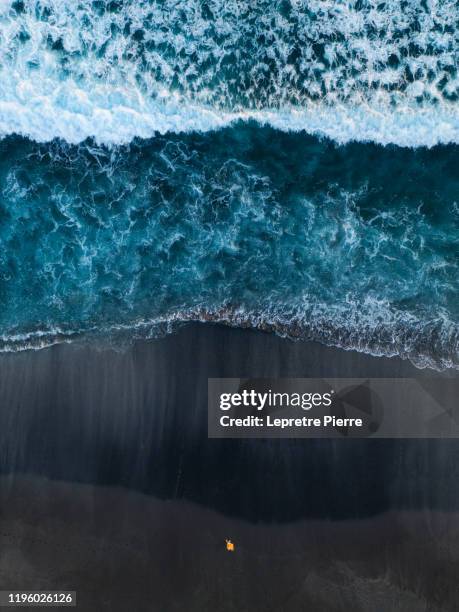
x=286, y=165
x=116, y=69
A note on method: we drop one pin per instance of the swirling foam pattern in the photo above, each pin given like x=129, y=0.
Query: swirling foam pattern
x=384, y=71
x=163, y=161
x=355, y=246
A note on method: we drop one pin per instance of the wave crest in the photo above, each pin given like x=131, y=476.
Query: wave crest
x=385, y=72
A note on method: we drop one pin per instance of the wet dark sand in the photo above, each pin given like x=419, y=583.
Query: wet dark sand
x=111, y=487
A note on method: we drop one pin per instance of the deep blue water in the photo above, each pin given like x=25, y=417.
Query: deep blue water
x=285, y=165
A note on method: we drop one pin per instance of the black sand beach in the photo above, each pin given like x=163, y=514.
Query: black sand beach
x=110, y=486
x=124, y=551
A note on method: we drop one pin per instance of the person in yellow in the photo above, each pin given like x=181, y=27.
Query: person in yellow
x=229, y=545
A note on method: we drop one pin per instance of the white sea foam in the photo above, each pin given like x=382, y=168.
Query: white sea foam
x=382, y=72
x=73, y=115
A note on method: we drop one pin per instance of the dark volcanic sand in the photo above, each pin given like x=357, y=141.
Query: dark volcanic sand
x=144, y=502
x=125, y=551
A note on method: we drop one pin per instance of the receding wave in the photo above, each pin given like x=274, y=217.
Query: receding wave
x=115, y=70
x=427, y=344
x=354, y=246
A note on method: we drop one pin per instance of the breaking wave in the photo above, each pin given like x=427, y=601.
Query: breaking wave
x=114, y=70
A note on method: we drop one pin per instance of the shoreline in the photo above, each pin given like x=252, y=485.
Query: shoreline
x=137, y=418
x=120, y=338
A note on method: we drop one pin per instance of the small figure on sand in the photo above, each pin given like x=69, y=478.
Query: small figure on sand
x=229, y=545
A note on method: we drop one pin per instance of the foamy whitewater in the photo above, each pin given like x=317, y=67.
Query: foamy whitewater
x=166, y=161
x=113, y=70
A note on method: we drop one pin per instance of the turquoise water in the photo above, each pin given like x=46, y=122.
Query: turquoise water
x=164, y=162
